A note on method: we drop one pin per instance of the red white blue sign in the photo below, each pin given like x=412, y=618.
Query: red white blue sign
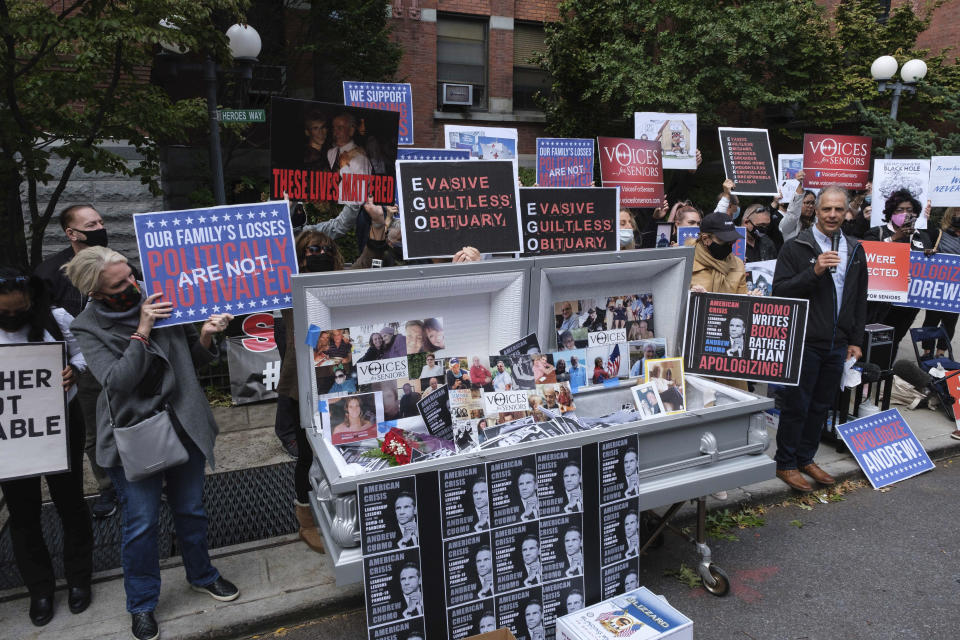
x=934, y=282
x=564, y=162
x=384, y=96
x=433, y=154
x=232, y=259
x=885, y=448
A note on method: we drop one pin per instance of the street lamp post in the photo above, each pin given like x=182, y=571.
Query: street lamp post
x=883, y=69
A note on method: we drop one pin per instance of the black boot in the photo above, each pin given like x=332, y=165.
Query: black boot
x=145, y=626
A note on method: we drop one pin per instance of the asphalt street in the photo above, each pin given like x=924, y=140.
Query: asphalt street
x=874, y=564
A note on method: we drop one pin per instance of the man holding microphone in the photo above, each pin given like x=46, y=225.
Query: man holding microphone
x=830, y=270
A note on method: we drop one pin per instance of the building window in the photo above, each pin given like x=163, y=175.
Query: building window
x=462, y=56
x=528, y=78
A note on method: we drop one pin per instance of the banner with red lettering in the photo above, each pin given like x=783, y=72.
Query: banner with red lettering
x=843, y=161
x=745, y=337
x=885, y=447
x=253, y=360
x=569, y=219
x=748, y=161
x=448, y=205
x=231, y=259
x=888, y=268
x=636, y=166
x=324, y=151
x=385, y=96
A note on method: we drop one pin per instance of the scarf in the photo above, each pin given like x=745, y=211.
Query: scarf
x=724, y=275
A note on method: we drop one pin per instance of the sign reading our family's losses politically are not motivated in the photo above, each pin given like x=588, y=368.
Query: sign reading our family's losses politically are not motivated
x=885, y=448
x=320, y=151
x=564, y=162
x=888, y=270
x=446, y=206
x=385, y=96
x=748, y=161
x=568, y=219
x=636, y=166
x=33, y=412
x=842, y=161
x=745, y=337
x=934, y=282
x=231, y=259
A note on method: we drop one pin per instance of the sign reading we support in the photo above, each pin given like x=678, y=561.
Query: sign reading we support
x=745, y=337
x=888, y=268
x=384, y=96
x=748, y=161
x=568, y=219
x=230, y=259
x=945, y=181
x=843, y=161
x=33, y=410
x=446, y=206
x=885, y=448
x=934, y=282
x=564, y=162
x=636, y=166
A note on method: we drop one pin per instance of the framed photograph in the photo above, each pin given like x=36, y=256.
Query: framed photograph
x=664, y=231
x=352, y=418
x=666, y=374
x=647, y=399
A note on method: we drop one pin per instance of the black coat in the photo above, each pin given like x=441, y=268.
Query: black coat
x=795, y=278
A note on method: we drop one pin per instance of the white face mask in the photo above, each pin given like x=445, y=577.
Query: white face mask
x=626, y=236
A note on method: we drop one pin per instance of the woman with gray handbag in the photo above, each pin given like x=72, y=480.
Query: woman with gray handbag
x=154, y=424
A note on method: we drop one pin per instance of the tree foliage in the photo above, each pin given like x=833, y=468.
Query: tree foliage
x=72, y=76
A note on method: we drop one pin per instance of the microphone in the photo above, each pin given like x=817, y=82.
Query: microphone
x=834, y=246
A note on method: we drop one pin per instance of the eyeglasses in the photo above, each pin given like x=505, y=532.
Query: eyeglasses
x=314, y=249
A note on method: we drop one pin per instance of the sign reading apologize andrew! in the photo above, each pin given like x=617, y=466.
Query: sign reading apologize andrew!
x=885, y=448
x=745, y=337
x=934, y=282
x=564, y=162
x=385, y=96
x=446, y=206
x=636, y=166
x=843, y=161
x=231, y=259
x=33, y=416
x=568, y=219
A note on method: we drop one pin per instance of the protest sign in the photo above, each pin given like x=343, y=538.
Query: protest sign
x=885, y=448
x=483, y=143
x=636, y=166
x=323, y=151
x=446, y=206
x=568, y=219
x=33, y=410
x=896, y=175
x=231, y=259
x=435, y=410
x=748, y=161
x=684, y=233
x=843, y=161
x=953, y=386
x=788, y=166
x=432, y=154
x=760, y=276
x=945, y=181
x=253, y=373
x=564, y=162
x=384, y=96
x=740, y=246
x=676, y=133
x=745, y=337
x=934, y=282
x=888, y=270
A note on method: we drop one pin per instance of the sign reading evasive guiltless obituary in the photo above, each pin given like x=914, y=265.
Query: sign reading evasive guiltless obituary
x=636, y=166
x=745, y=337
x=564, y=162
x=229, y=259
x=888, y=270
x=33, y=412
x=446, y=206
x=748, y=161
x=568, y=220
x=842, y=161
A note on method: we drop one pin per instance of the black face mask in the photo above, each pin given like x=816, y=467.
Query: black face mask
x=125, y=300
x=759, y=232
x=955, y=223
x=95, y=238
x=319, y=263
x=377, y=245
x=720, y=251
x=15, y=322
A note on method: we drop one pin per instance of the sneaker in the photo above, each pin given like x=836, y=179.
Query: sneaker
x=144, y=626
x=106, y=504
x=955, y=435
x=290, y=446
x=220, y=589
x=720, y=495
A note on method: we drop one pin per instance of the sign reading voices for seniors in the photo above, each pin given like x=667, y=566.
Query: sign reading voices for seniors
x=888, y=270
x=446, y=206
x=33, y=415
x=568, y=219
x=230, y=259
x=636, y=166
x=885, y=448
x=843, y=161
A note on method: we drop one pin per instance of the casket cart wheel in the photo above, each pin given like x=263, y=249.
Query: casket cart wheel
x=721, y=583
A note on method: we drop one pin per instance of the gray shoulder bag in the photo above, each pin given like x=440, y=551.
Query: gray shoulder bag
x=149, y=446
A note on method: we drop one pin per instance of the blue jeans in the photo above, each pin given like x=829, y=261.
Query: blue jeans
x=140, y=504
x=804, y=407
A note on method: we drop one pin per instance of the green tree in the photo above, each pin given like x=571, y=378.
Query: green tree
x=71, y=77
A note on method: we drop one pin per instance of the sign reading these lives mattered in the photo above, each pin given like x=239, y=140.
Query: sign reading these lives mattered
x=33, y=415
